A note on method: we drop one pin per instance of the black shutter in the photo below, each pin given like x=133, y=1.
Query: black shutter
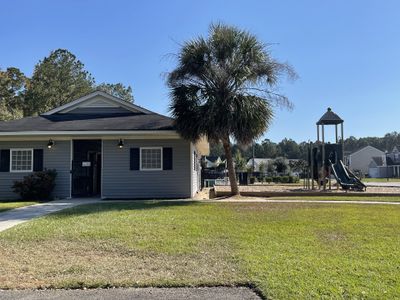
x=5, y=160
x=167, y=158
x=134, y=159
x=37, y=160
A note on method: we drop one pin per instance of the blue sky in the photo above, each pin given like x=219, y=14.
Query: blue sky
x=347, y=53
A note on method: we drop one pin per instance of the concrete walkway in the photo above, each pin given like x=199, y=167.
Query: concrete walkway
x=394, y=184
x=305, y=201
x=212, y=293
x=20, y=215
x=264, y=200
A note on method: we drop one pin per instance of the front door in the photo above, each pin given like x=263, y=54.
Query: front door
x=86, y=168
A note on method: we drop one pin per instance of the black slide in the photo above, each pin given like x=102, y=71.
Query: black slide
x=346, y=178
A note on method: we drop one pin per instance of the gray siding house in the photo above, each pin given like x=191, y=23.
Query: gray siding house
x=361, y=159
x=386, y=166
x=101, y=146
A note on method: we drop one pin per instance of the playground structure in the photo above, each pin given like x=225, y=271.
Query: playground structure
x=326, y=159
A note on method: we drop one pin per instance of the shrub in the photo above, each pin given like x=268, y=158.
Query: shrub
x=268, y=179
x=285, y=179
x=293, y=179
x=36, y=186
x=276, y=179
x=252, y=180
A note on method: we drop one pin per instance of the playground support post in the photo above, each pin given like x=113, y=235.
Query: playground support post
x=342, y=132
x=329, y=177
x=312, y=166
x=323, y=157
x=336, y=134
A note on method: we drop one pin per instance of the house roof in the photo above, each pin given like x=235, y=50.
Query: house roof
x=378, y=160
x=330, y=118
x=258, y=161
x=106, y=98
x=89, y=122
x=365, y=148
x=65, y=118
x=213, y=161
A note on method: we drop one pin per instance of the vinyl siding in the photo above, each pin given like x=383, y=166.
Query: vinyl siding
x=57, y=158
x=361, y=159
x=119, y=182
x=99, y=110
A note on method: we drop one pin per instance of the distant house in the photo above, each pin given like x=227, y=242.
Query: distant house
x=258, y=162
x=213, y=162
x=266, y=162
x=387, y=165
x=361, y=159
x=101, y=146
x=393, y=162
x=377, y=167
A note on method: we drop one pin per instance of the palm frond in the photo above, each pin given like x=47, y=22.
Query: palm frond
x=224, y=85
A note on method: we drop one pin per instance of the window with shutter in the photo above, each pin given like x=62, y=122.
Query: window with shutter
x=5, y=160
x=37, y=160
x=167, y=158
x=21, y=160
x=151, y=159
x=134, y=159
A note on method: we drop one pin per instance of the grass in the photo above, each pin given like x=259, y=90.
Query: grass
x=339, y=198
x=288, y=251
x=7, y=205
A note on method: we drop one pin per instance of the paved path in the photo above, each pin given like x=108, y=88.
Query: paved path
x=306, y=201
x=264, y=200
x=20, y=215
x=383, y=184
x=215, y=293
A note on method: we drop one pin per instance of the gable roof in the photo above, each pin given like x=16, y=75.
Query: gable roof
x=79, y=122
x=258, y=161
x=378, y=160
x=329, y=118
x=105, y=97
x=64, y=119
x=365, y=148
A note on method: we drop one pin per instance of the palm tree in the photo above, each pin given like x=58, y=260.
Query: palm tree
x=223, y=87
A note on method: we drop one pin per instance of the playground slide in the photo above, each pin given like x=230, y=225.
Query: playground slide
x=346, y=178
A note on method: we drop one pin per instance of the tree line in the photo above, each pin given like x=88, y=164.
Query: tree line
x=56, y=80
x=289, y=148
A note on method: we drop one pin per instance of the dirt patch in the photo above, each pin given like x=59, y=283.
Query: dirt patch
x=204, y=194
x=275, y=188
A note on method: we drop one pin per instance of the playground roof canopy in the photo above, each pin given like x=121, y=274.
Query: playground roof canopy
x=330, y=118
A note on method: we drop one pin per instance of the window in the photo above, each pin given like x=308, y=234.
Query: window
x=21, y=160
x=151, y=158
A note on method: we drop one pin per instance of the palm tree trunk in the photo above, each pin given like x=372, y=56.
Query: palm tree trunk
x=231, y=170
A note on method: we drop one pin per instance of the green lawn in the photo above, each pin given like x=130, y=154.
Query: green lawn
x=10, y=205
x=339, y=198
x=287, y=251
